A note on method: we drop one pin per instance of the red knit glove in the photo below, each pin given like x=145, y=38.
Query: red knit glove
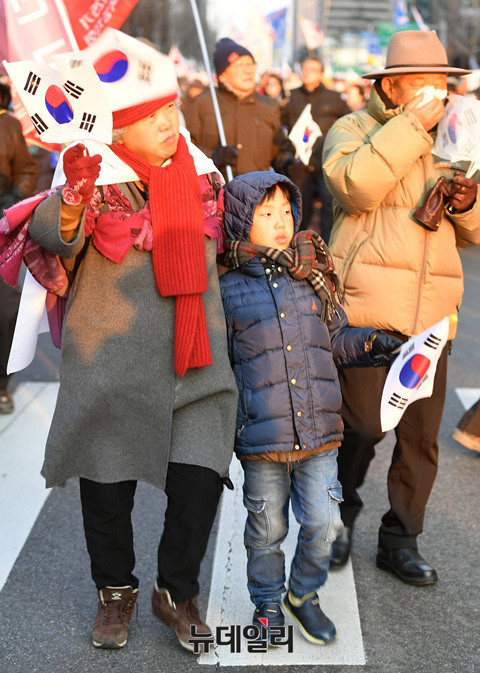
x=81, y=170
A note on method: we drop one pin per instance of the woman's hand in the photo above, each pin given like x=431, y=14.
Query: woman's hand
x=81, y=170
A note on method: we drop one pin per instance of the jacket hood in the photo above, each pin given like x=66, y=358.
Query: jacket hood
x=244, y=193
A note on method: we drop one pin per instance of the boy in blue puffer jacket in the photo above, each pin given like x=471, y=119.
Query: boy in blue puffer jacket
x=287, y=334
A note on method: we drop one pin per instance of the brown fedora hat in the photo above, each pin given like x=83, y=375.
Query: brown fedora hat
x=412, y=51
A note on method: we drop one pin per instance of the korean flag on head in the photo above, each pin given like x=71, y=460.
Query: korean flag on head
x=64, y=105
x=129, y=70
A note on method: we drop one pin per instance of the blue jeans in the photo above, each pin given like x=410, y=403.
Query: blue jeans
x=312, y=487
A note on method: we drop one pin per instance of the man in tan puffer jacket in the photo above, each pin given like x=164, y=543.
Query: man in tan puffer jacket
x=398, y=275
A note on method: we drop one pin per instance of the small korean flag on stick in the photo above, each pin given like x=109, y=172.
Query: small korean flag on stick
x=412, y=373
x=458, y=134
x=304, y=133
x=64, y=105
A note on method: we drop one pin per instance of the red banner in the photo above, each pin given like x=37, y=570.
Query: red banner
x=35, y=29
x=88, y=18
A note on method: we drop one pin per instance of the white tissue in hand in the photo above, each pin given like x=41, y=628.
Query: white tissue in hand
x=429, y=93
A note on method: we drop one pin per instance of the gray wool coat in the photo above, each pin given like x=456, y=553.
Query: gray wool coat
x=121, y=411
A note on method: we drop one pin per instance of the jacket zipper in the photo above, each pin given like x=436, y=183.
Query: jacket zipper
x=420, y=284
x=244, y=409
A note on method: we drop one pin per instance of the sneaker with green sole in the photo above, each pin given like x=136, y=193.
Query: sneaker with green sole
x=314, y=624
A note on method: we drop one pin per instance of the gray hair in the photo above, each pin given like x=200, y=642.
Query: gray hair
x=118, y=134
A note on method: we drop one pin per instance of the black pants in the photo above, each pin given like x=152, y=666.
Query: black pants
x=415, y=457
x=192, y=493
x=9, y=301
x=312, y=186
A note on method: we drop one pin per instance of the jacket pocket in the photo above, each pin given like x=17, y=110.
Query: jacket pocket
x=335, y=524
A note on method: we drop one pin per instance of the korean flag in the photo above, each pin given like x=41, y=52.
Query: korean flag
x=64, y=104
x=304, y=133
x=412, y=373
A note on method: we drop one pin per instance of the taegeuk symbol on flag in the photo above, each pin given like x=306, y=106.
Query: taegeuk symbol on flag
x=412, y=373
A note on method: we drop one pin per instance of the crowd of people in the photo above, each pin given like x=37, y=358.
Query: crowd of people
x=241, y=329
x=18, y=180
x=241, y=96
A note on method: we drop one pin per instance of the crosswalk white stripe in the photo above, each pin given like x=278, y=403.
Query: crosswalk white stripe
x=23, y=492
x=229, y=603
x=468, y=396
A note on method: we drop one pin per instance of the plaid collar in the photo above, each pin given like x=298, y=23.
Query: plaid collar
x=308, y=259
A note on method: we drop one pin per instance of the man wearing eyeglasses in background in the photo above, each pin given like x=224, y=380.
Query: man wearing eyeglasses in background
x=255, y=139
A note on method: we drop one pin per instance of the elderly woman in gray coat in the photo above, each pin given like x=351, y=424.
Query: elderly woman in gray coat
x=146, y=389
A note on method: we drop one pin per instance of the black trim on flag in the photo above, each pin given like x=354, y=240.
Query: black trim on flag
x=40, y=125
x=398, y=401
x=88, y=121
x=32, y=83
x=75, y=90
x=144, y=71
x=432, y=341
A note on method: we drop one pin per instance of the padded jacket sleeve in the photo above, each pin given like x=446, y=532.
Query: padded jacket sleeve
x=361, y=171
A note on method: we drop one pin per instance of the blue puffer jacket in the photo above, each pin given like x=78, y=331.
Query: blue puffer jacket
x=283, y=356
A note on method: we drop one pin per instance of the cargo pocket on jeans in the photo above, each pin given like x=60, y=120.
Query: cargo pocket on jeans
x=335, y=521
x=256, y=528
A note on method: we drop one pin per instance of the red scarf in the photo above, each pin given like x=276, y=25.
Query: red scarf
x=178, y=254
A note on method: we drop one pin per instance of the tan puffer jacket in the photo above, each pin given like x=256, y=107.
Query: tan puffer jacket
x=397, y=275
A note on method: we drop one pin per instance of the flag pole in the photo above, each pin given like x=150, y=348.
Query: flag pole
x=218, y=115
x=326, y=16
x=62, y=13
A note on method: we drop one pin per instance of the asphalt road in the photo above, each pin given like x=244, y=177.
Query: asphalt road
x=48, y=603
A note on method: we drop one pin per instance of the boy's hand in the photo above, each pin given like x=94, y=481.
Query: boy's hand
x=81, y=170
x=383, y=348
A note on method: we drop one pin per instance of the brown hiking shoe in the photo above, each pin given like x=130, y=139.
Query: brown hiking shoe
x=180, y=617
x=6, y=402
x=115, y=609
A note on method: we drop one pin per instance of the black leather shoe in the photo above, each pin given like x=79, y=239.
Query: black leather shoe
x=407, y=565
x=341, y=549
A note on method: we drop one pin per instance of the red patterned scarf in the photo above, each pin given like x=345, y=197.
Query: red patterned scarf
x=178, y=251
x=308, y=259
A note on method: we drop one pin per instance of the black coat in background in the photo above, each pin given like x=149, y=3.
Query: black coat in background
x=327, y=107
x=252, y=125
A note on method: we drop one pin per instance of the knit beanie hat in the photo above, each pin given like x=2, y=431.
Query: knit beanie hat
x=227, y=52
